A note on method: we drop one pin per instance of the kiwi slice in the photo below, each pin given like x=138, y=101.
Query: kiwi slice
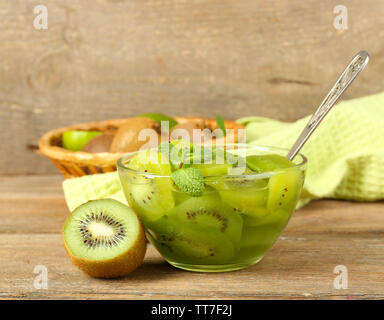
x=244, y=194
x=279, y=216
x=150, y=197
x=257, y=197
x=213, y=169
x=75, y=140
x=208, y=213
x=180, y=197
x=260, y=236
x=204, y=238
x=268, y=162
x=104, y=238
x=150, y=161
x=163, y=226
x=194, y=246
x=284, y=189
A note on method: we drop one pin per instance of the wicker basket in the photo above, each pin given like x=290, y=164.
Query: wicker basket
x=76, y=164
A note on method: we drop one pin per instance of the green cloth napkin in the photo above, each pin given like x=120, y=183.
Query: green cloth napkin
x=93, y=187
x=345, y=155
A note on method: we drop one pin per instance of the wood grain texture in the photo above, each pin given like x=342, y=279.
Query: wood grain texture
x=108, y=59
x=300, y=265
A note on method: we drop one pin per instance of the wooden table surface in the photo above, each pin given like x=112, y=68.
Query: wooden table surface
x=301, y=264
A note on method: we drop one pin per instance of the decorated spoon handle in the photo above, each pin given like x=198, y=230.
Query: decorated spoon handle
x=357, y=64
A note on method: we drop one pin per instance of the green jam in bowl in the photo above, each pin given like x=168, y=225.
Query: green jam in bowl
x=249, y=195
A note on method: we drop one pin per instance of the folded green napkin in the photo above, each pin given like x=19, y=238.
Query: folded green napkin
x=345, y=155
x=97, y=186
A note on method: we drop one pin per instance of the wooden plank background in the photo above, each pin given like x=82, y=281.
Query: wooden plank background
x=104, y=59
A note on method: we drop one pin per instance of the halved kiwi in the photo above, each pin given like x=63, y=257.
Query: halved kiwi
x=104, y=238
x=208, y=213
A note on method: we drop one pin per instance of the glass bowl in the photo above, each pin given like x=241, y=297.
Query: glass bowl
x=230, y=227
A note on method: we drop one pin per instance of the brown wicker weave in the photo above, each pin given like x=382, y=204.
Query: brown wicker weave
x=76, y=164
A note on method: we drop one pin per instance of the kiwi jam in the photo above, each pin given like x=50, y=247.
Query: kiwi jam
x=202, y=216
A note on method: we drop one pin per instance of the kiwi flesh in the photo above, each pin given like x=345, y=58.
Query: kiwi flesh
x=267, y=162
x=150, y=161
x=244, y=194
x=150, y=197
x=104, y=238
x=284, y=189
x=180, y=197
x=208, y=213
x=189, y=243
x=195, y=246
x=260, y=236
x=277, y=216
x=260, y=197
x=213, y=169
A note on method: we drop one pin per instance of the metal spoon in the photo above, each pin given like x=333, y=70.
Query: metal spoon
x=356, y=65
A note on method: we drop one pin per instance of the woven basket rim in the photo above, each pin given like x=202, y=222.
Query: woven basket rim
x=102, y=158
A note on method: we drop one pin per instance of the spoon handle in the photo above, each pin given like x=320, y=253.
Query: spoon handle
x=356, y=65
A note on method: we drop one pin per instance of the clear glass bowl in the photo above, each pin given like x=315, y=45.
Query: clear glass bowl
x=232, y=226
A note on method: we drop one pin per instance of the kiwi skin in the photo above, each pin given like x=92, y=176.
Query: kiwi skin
x=117, y=267
x=100, y=143
x=126, y=138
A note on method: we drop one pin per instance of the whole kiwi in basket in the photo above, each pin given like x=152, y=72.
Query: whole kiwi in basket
x=100, y=143
x=134, y=133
